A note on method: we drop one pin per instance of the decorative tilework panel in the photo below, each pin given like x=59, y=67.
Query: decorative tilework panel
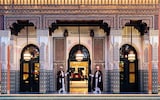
x=1, y=22
x=17, y=73
x=105, y=79
x=145, y=80
x=51, y=83
x=47, y=81
x=43, y=81
x=154, y=81
x=109, y=80
x=4, y=82
x=116, y=81
x=12, y=81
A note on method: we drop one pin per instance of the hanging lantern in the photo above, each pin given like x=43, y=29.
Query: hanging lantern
x=131, y=56
x=79, y=55
x=27, y=55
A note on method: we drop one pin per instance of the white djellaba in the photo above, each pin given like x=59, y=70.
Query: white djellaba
x=62, y=90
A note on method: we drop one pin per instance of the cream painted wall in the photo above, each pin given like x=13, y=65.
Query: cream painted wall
x=20, y=44
x=137, y=43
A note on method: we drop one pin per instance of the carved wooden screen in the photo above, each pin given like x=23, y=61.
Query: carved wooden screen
x=59, y=49
x=98, y=49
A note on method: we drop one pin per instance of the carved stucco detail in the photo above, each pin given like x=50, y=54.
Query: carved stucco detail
x=82, y=9
x=148, y=19
x=10, y=19
x=49, y=19
x=43, y=22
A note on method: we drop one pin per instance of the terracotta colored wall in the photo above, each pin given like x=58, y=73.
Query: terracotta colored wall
x=159, y=49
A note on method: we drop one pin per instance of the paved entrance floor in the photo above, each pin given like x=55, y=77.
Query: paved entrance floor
x=79, y=97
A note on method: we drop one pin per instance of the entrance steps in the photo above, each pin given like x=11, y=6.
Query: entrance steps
x=158, y=89
x=79, y=97
x=79, y=87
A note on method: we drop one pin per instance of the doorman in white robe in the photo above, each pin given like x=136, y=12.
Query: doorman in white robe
x=97, y=84
x=61, y=80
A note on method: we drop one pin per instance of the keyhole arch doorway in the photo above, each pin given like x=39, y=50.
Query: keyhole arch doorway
x=29, y=69
x=79, y=80
x=128, y=68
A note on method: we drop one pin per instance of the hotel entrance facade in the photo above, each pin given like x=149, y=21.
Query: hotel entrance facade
x=34, y=44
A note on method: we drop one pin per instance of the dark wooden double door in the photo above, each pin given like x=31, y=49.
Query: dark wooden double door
x=29, y=76
x=128, y=76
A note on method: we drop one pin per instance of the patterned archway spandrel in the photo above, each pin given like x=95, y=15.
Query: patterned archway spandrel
x=10, y=19
x=109, y=19
x=149, y=20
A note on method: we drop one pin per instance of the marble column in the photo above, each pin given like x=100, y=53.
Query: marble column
x=106, y=73
x=144, y=72
x=110, y=69
x=43, y=36
x=13, y=79
x=154, y=42
x=116, y=40
x=50, y=63
x=116, y=81
x=5, y=38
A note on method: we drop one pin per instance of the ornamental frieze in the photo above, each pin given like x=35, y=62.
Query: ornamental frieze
x=10, y=19
x=123, y=19
x=79, y=11
x=45, y=21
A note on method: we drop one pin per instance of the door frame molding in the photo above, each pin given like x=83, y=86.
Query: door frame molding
x=124, y=53
x=72, y=58
x=32, y=61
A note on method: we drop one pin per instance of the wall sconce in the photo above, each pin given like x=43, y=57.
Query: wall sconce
x=92, y=33
x=65, y=34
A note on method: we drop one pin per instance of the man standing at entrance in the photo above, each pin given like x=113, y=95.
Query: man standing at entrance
x=97, y=84
x=60, y=80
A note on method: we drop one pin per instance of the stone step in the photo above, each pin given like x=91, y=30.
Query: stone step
x=158, y=88
x=79, y=97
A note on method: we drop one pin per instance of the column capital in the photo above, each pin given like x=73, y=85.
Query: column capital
x=5, y=36
x=146, y=39
x=154, y=37
x=43, y=36
x=116, y=36
x=42, y=32
x=5, y=33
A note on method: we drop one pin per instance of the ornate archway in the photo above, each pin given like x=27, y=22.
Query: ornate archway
x=79, y=81
x=29, y=69
x=128, y=69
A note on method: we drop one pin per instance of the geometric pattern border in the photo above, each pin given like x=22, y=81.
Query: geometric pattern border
x=10, y=19
x=49, y=19
x=44, y=21
x=148, y=19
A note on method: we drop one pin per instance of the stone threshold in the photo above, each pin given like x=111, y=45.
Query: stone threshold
x=80, y=97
